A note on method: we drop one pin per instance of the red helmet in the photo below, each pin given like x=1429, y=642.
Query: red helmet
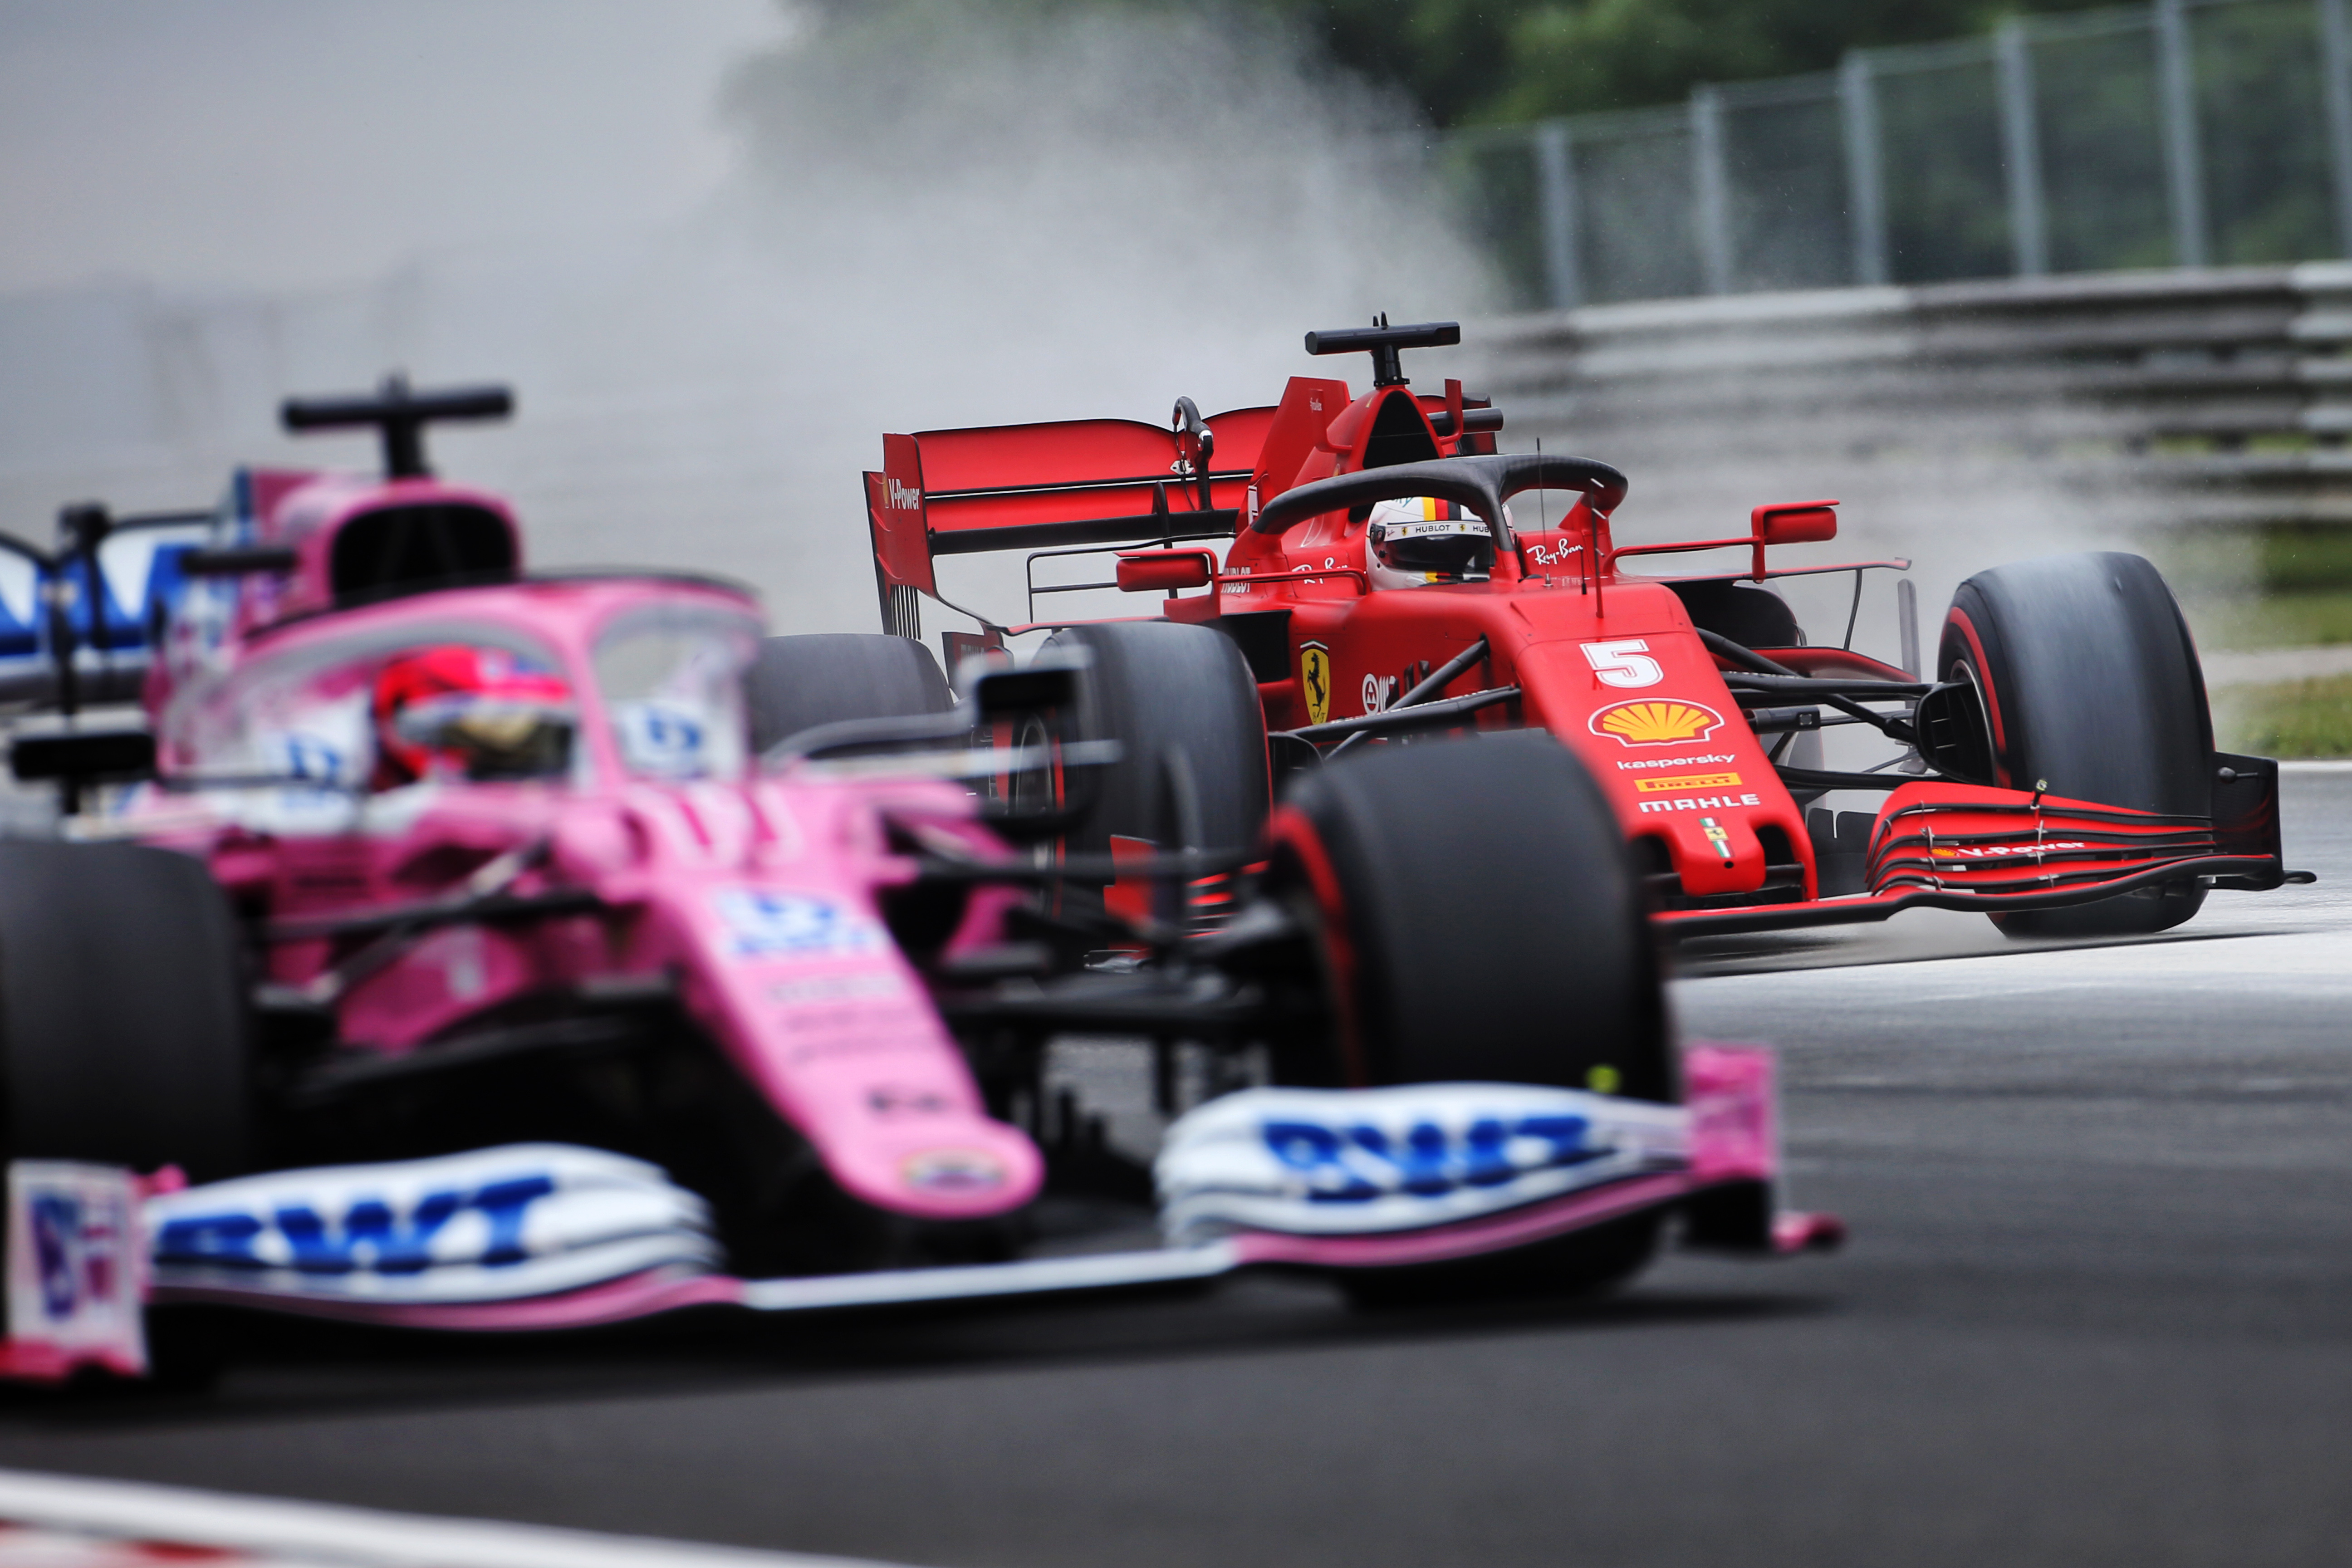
x=466, y=709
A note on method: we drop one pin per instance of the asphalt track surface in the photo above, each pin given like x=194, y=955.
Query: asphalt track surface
x=2097, y=1308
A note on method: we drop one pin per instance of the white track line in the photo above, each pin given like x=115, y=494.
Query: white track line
x=326, y=1533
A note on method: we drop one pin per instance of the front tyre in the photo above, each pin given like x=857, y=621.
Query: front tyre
x=123, y=1035
x=2091, y=684
x=1183, y=707
x=1477, y=918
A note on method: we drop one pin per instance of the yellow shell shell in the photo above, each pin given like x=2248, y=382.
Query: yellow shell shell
x=1651, y=722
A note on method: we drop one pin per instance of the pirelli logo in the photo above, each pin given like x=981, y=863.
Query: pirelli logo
x=1687, y=781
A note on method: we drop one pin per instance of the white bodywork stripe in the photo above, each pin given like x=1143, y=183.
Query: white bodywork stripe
x=270, y=1529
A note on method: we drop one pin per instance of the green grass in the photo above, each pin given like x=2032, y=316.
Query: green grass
x=2295, y=718
x=2304, y=619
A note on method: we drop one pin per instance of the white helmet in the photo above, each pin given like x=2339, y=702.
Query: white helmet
x=1424, y=539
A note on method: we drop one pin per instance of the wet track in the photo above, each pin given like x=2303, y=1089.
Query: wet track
x=2097, y=1307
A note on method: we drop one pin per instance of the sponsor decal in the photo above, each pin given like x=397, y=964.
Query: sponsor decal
x=1241, y=587
x=906, y=498
x=893, y=1099
x=2008, y=851
x=1717, y=837
x=1378, y=691
x=1660, y=722
x=1362, y=1162
x=496, y=1225
x=1698, y=802
x=1553, y=555
x=836, y=988
x=761, y=923
x=1685, y=780
x=1625, y=662
x=1351, y=1163
x=73, y=1270
x=1315, y=680
x=952, y=1171
x=1697, y=760
x=369, y=1235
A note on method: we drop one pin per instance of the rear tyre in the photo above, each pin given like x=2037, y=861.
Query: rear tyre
x=123, y=1034
x=1182, y=705
x=2091, y=682
x=1478, y=919
x=798, y=683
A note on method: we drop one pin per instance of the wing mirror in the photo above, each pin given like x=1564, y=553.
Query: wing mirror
x=1797, y=523
x=1164, y=569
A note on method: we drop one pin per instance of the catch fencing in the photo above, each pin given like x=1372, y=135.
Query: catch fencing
x=2188, y=132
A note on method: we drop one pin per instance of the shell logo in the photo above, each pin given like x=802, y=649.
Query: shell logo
x=1657, y=723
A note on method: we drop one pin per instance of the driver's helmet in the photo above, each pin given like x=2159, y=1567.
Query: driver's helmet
x=1424, y=539
x=475, y=713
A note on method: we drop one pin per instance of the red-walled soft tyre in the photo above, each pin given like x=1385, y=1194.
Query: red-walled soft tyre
x=1479, y=918
x=1182, y=705
x=2091, y=683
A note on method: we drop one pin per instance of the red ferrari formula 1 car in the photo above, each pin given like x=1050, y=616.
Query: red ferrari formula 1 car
x=2054, y=768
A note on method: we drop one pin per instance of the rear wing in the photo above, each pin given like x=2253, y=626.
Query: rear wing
x=1067, y=484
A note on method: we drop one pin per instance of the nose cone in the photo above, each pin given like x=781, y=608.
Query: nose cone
x=962, y=1167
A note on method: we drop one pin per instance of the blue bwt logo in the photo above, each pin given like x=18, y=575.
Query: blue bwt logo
x=1355, y=1163
x=371, y=1237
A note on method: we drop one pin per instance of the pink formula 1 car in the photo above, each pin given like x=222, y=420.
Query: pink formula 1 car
x=459, y=947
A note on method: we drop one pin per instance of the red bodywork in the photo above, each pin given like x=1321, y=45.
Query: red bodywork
x=1609, y=662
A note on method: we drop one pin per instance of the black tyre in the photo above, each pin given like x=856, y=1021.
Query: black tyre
x=1479, y=920
x=2090, y=681
x=123, y=1033
x=825, y=678
x=1181, y=702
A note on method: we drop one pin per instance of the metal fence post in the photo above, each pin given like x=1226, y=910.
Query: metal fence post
x=1556, y=202
x=1865, y=178
x=2184, y=162
x=1710, y=190
x=2335, y=92
x=2020, y=150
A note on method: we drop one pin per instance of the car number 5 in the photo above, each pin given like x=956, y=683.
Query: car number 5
x=1624, y=663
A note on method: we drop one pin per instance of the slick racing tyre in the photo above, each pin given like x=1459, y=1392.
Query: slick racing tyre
x=1477, y=918
x=123, y=1035
x=2091, y=682
x=1182, y=705
x=798, y=683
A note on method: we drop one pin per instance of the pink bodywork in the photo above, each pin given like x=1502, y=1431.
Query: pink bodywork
x=838, y=1034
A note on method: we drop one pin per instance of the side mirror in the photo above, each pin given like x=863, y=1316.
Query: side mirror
x=83, y=754
x=1168, y=569
x=1799, y=522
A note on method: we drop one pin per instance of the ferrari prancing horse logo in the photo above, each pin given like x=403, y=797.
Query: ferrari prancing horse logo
x=1315, y=680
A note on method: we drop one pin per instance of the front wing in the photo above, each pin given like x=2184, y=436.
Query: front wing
x=1939, y=845
x=547, y=1236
